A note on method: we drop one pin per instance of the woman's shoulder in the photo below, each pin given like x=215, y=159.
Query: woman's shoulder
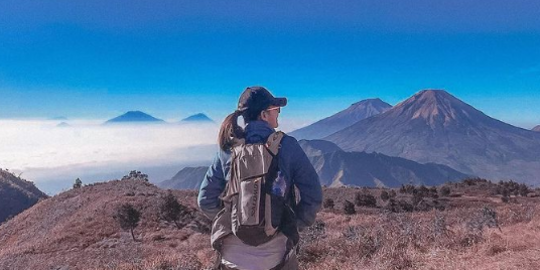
x=289, y=143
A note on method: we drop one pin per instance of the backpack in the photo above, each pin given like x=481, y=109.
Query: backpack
x=256, y=191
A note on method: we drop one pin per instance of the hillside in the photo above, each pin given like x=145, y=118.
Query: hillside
x=77, y=229
x=187, y=178
x=377, y=170
x=16, y=195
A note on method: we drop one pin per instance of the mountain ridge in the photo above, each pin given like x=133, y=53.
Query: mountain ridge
x=354, y=113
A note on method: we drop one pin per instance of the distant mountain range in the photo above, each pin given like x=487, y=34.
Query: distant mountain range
x=200, y=117
x=134, y=117
x=16, y=195
x=141, y=117
x=537, y=128
x=434, y=126
x=187, y=178
x=356, y=112
x=336, y=167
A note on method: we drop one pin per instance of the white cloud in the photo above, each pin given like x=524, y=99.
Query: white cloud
x=40, y=146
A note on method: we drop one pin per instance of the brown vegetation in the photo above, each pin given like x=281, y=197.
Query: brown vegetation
x=471, y=229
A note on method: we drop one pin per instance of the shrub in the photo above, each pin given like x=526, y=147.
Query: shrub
x=78, y=183
x=136, y=175
x=348, y=208
x=128, y=217
x=365, y=199
x=328, y=203
x=172, y=211
x=385, y=196
x=445, y=191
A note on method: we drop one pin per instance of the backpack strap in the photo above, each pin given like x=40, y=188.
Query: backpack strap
x=273, y=142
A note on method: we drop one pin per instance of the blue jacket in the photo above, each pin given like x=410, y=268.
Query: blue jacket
x=293, y=163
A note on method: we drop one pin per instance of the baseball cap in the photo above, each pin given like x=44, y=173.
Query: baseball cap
x=258, y=98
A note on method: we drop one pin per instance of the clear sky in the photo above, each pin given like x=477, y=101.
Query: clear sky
x=100, y=58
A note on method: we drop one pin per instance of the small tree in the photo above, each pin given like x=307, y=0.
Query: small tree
x=348, y=208
x=328, y=203
x=173, y=211
x=128, y=217
x=78, y=183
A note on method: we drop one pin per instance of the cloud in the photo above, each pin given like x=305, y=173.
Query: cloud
x=40, y=146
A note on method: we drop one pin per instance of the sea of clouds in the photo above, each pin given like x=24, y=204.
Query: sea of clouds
x=53, y=157
x=50, y=155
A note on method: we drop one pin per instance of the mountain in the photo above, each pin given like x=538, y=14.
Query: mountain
x=356, y=112
x=134, y=117
x=318, y=147
x=434, y=126
x=187, y=178
x=377, y=170
x=78, y=229
x=537, y=128
x=63, y=124
x=16, y=195
x=200, y=117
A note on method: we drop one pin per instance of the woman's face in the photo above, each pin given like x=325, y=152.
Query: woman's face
x=270, y=115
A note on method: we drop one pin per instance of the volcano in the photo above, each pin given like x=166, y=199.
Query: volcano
x=434, y=126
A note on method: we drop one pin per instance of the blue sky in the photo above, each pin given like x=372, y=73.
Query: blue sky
x=97, y=59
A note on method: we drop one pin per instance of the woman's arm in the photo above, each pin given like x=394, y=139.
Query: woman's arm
x=305, y=178
x=212, y=186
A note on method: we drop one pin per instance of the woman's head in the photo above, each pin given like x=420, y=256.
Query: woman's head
x=255, y=103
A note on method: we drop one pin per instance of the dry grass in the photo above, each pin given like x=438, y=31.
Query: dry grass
x=76, y=230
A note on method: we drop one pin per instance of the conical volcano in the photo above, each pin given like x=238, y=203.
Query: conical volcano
x=434, y=126
x=356, y=112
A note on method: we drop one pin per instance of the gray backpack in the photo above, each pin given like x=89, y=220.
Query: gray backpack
x=256, y=191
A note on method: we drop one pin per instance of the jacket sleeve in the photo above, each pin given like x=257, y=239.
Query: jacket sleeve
x=305, y=178
x=211, y=188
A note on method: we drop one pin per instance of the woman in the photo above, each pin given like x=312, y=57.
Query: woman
x=260, y=111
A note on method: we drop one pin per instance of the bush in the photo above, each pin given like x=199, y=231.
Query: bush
x=172, y=211
x=136, y=175
x=328, y=203
x=78, y=183
x=385, y=196
x=348, y=208
x=128, y=217
x=445, y=191
x=364, y=199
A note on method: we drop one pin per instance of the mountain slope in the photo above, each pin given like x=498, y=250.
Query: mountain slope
x=373, y=169
x=317, y=147
x=434, y=126
x=356, y=112
x=16, y=195
x=187, y=178
x=134, y=117
x=537, y=128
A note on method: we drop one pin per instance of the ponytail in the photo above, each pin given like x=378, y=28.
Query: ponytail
x=230, y=131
